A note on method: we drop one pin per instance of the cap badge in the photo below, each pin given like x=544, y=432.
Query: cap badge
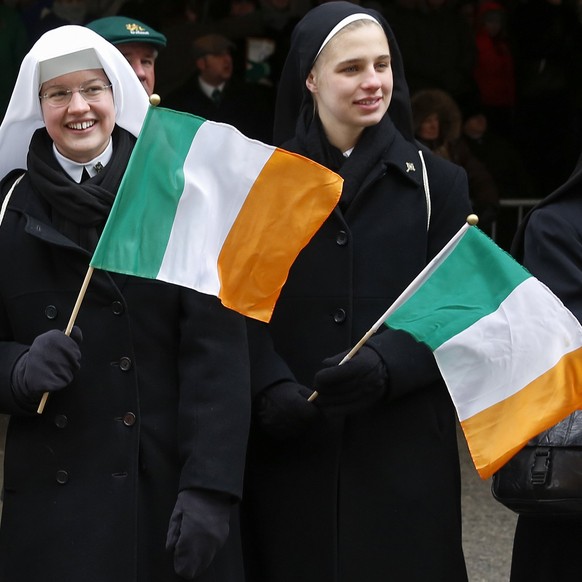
x=135, y=28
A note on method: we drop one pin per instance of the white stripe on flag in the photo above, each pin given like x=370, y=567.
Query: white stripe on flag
x=491, y=360
x=209, y=194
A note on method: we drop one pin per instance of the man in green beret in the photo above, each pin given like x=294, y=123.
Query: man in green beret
x=138, y=42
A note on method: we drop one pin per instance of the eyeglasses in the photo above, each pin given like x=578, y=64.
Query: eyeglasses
x=61, y=96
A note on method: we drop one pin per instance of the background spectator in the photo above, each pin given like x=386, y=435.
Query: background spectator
x=437, y=124
x=189, y=21
x=214, y=93
x=137, y=42
x=495, y=70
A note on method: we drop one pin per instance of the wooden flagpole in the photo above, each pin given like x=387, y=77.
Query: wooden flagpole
x=69, y=327
x=472, y=220
x=154, y=101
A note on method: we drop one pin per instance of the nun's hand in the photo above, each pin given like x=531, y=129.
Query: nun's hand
x=353, y=386
x=49, y=365
x=283, y=410
x=198, y=528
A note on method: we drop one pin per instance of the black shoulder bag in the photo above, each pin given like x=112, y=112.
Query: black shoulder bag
x=545, y=477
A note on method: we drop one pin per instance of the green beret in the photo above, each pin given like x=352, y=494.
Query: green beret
x=121, y=29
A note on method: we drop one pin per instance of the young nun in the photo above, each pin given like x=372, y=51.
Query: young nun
x=361, y=483
x=133, y=469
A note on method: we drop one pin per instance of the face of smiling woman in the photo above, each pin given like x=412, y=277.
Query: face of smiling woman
x=351, y=82
x=80, y=129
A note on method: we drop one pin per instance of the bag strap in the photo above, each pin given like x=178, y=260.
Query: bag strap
x=8, y=195
x=426, y=190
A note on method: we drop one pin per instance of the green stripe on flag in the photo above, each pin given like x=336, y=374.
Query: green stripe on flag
x=135, y=237
x=471, y=282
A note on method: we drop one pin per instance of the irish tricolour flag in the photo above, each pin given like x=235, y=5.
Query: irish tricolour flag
x=508, y=350
x=203, y=206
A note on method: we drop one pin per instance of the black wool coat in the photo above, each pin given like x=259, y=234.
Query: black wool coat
x=373, y=496
x=160, y=404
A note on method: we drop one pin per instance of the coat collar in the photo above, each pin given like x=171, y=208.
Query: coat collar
x=403, y=157
x=39, y=227
x=35, y=212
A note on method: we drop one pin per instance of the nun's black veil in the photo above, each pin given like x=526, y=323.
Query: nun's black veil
x=308, y=36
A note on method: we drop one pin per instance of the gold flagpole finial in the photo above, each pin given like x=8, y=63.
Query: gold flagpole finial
x=472, y=219
x=155, y=99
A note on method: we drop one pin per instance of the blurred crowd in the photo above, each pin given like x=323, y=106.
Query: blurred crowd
x=496, y=85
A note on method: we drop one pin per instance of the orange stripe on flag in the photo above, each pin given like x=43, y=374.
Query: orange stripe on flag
x=284, y=225
x=491, y=434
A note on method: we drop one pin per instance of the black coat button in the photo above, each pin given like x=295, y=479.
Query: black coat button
x=117, y=308
x=341, y=238
x=129, y=419
x=125, y=364
x=62, y=477
x=51, y=312
x=61, y=421
x=339, y=316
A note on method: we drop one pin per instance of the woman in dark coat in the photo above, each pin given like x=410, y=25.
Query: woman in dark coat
x=146, y=420
x=363, y=482
x=549, y=244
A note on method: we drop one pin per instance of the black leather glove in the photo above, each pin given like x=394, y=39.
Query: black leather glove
x=283, y=411
x=49, y=365
x=198, y=528
x=353, y=386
